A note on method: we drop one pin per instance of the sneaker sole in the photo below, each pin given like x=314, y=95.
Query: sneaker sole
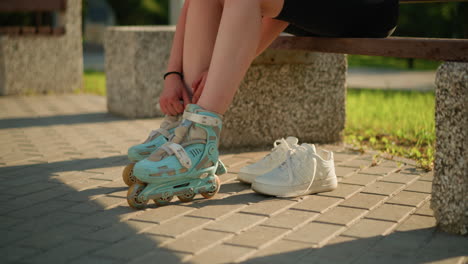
x=319, y=186
x=246, y=177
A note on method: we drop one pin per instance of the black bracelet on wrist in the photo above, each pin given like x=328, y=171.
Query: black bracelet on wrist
x=174, y=72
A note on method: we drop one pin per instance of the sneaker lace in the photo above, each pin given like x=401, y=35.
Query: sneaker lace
x=273, y=151
x=288, y=165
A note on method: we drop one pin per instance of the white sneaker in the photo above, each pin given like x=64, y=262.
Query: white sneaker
x=304, y=172
x=277, y=155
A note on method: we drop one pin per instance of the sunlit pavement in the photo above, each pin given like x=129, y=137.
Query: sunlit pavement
x=63, y=201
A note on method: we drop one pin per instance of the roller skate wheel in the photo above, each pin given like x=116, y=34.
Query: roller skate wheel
x=132, y=196
x=209, y=195
x=127, y=175
x=187, y=196
x=163, y=201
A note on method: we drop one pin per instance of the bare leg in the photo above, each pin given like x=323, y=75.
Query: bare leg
x=236, y=45
x=203, y=18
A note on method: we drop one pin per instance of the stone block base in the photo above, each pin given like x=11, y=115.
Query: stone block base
x=44, y=64
x=450, y=186
x=136, y=60
x=288, y=93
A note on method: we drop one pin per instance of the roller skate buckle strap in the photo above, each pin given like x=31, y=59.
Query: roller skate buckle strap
x=161, y=131
x=179, y=152
x=202, y=119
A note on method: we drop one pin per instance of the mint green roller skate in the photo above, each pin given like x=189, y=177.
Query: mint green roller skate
x=155, y=140
x=183, y=167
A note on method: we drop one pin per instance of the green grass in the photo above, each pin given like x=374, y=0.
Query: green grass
x=94, y=83
x=390, y=63
x=396, y=122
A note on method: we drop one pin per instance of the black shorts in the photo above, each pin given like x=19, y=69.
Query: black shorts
x=340, y=18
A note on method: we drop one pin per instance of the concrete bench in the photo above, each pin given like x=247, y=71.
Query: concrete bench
x=298, y=87
x=41, y=58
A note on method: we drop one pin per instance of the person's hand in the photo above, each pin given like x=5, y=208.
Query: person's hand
x=198, y=85
x=173, y=93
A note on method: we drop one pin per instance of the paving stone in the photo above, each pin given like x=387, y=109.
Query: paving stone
x=83, y=208
x=65, y=252
x=46, y=222
x=420, y=186
x=369, y=228
x=227, y=177
x=7, y=222
x=383, y=188
x=409, y=198
x=290, y=219
x=360, y=179
x=94, y=260
x=342, y=157
x=106, y=218
x=197, y=241
x=235, y=223
x=107, y=201
x=53, y=237
x=381, y=258
x=425, y=210
x=41, y=209
x=378, y=170
x=162, y=214
x=345, y=249
x=221, y=254
x=417, y=222
x=427, y=176
x=11, y=236
x=268, y=207
x=215, y=209
x=160, y=255
x=364, y=201
x=30, y=188
x=178, y=226
x=405, y=243
x=257, y=237
x=14, y=253
x=345, y=171
x=133, y=247
x=233, y=187
x=342, y=216
x=317, y=203
x=400, y=178
x=358, y=163
x=118, y=231
x=282, y=251
x=390, y=212
x=343, y=191
x=453, y=245
x=315, y=233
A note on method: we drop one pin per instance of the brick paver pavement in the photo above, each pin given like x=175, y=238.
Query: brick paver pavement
x=63, y=201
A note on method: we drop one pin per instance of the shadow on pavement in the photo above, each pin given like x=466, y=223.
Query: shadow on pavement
x=28, y=122
x=413, y=246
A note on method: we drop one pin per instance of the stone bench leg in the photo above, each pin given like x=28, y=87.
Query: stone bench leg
x=136, y=60
x=288, y=93
x=450, y=185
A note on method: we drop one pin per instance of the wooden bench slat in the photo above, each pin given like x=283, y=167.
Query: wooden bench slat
x=32, y=5
x=417, y=48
